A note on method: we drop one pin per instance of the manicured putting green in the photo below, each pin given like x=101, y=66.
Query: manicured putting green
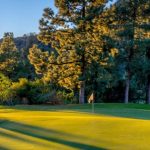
x=74, y=127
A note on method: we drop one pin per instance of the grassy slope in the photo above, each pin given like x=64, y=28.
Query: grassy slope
x=113, y=126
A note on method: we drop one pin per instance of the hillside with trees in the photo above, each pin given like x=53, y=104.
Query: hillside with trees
x=85, y=48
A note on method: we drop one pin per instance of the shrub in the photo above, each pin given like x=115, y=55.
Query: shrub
x=40, y=93
x=33, y=92
x=6, y=95
x=20, y=87
x=66, y=96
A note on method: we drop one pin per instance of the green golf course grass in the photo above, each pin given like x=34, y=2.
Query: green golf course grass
x=74, y=127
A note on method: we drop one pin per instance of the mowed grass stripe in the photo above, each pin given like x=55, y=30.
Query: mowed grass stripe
x=73, y=127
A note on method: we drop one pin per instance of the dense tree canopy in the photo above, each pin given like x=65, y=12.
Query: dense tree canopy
x=8, y=55
x=85, y=47
x=78, y=34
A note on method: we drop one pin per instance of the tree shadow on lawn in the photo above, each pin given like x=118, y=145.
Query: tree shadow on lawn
x=121, y=113
x=125, y=113
x=44, y=134
x=77, y=106
x=118, y=110
x=19, y=138
x=4, y=148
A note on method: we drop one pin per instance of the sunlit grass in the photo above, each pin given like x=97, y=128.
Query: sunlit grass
x=112, y=126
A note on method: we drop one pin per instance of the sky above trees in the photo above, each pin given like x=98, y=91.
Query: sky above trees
x=21, y=16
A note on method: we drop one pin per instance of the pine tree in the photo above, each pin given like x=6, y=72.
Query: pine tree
x=8, y=55
x=76, y=33
x=39, y=59
x=145, y=46
x=128, y=24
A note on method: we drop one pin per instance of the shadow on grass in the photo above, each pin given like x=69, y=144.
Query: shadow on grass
x=44, y=134
x=133, y=111
x=126, y=113
x=16, y=137
x=121, y=113
x=3, y=148
x=77, y=106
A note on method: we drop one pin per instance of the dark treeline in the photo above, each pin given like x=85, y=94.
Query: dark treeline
x=87, y=51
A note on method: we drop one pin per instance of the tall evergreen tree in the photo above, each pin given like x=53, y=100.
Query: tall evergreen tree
x=76, y=33
x=8, y=55
x=145, y=28
x=128, y=24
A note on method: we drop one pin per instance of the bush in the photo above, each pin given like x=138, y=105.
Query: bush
x=20, y=88
x=6, y=95
x=66, y=96
x=40, y=93
x=33, y=92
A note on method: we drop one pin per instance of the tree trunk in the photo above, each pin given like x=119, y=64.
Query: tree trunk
x=131, y=51
x=126, y=100
x=82, y=83
x=82, y=93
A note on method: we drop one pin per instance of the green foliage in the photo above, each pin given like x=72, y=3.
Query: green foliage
x=6, y=94
x=21, y=87
x=66, y=97
x=84, y=48
x=35, y=92
x=40, y=92
x=8, y=55
x=76, y=47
